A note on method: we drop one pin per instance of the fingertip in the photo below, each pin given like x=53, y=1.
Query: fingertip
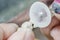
x=57, y=16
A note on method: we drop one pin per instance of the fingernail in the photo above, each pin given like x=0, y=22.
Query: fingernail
x=55, y=33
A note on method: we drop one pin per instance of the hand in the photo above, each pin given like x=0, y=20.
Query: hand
x=8, y=31
x=52, y=32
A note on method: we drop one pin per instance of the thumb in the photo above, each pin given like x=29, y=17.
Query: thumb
x=22, y=34
x=55, y=33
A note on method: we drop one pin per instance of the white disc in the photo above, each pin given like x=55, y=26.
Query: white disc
x=40, y=15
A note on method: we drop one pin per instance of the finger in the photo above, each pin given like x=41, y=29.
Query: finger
x=57, y=15
x=22, y=34
x=55, y=33
x=1, y=33
x=47, y=30
x=8, y=28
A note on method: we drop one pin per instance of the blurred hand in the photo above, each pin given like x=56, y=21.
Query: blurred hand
x=8, y=31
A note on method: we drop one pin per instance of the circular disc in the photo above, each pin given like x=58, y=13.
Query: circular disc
x=40, y=15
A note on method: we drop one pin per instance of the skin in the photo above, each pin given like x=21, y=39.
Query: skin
x=52, y=32
x=1, y=33
x=8, y=29
x=22, y=34
x=11, y=31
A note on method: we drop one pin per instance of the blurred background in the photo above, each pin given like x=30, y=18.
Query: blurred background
x=11, y=8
